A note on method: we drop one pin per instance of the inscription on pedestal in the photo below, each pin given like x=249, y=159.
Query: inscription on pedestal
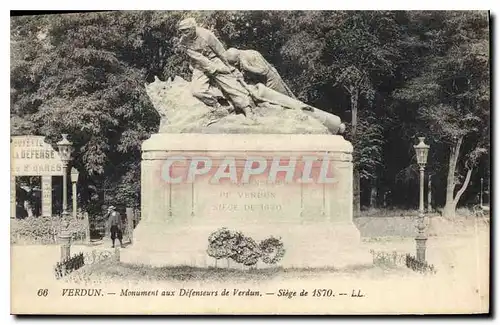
x=192, y=186
x=257, y=201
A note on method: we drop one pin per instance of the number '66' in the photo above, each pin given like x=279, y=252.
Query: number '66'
x=43, y=292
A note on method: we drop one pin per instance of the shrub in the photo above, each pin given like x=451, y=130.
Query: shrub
x=33, y=230
x=69, y=265
x=416, y=265
x=390, y=259
x=224, y=243
x=79, y=260
x=393, y=259
x=396, y=259
x=44, y=230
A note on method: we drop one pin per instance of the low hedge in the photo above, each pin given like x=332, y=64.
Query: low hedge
x=69, y=265
x=44, y=230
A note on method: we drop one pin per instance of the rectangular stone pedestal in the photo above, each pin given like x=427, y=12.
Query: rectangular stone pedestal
x=195, y=184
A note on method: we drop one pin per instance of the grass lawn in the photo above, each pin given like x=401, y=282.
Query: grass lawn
x=450, y=248
x=111, y=270
x=460, y=255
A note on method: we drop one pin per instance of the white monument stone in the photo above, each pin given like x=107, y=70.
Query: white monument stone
x=314, y=220
x=194, y=172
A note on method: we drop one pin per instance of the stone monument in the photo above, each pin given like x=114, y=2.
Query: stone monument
x=276, y=167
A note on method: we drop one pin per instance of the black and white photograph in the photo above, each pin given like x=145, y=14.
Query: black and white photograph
x=250, y=162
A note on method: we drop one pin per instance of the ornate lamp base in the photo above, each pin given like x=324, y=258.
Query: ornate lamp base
x=421, y=246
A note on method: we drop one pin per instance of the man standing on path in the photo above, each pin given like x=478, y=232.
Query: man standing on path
x=116, y=226
x=206, y=54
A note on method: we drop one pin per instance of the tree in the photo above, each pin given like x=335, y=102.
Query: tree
x=28, y=42
x=451, y=92
x=369, y=142
x=85, y=81
x=350, y=53
x=390, y=75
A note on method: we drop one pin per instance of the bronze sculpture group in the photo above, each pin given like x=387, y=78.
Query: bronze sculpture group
x=219, y=74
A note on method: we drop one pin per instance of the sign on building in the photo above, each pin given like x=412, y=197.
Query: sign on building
x=32, y=156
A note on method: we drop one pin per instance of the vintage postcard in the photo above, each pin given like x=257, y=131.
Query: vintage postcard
x=250, y=162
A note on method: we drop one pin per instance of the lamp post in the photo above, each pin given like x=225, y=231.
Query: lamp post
x=481, y=195
x=65, y=240
x=74, y=179
x=65, y=149
x=429, y=194
x=422, y=151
